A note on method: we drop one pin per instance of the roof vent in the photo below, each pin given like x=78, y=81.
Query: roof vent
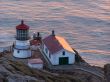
x=38, y=34
x=53, y=33
x=22, y=21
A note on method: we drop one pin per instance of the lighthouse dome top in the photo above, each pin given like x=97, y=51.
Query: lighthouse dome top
x=22, y=26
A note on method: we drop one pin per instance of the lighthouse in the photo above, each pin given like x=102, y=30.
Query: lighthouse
x=22, y=44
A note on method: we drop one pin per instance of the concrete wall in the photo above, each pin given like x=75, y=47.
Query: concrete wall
x=22, y=53
x=8, y=48
x=38, y=66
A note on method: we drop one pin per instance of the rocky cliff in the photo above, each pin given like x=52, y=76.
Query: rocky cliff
x=107, y=71
x=16, y=71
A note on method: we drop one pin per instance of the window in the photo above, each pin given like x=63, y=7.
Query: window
x=49, y=55
x=22, y=34
x=63, y=52
x=46, y=50
x=18, y=51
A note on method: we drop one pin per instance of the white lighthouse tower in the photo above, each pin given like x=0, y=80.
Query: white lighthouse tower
x=22, y=44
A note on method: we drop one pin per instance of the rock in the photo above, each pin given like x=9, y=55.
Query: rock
x=17, y=71
x=78, y=58
x=20, y=78
x=3, y=77
x=107, y=71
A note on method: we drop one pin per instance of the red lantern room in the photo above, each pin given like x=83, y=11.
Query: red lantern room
x=22, y=31
x=22, y=26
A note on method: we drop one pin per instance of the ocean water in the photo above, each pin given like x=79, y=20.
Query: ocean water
x=85, y=24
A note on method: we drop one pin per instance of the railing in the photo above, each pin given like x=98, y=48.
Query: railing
x=22, y=38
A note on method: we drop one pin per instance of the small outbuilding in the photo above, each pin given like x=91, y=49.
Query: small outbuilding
x=36, y=42
x=35, y=63
x=57, y=50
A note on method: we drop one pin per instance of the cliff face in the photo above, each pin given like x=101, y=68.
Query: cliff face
x=17, y=71
x=11, y=71
x=107, y=71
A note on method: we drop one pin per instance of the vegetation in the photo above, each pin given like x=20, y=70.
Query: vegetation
x=47, y=76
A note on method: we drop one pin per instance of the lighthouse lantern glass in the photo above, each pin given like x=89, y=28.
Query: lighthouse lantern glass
x=22, y=34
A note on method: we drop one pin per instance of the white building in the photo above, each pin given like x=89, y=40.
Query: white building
x=22, y=44
x=57, y=50
x=35, y=63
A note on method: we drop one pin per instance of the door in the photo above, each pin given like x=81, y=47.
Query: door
x=63, y=60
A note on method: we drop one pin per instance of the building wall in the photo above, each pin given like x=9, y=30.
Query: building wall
x=46, y=53
x=22, y=49
x=55, y=57
x=22, y=43
x=22, y=53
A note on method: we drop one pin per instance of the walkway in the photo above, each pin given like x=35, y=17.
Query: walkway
x=71, y=68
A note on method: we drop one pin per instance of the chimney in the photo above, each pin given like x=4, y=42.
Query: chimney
x=53, y=33
x=22, y=21
x=38, y=34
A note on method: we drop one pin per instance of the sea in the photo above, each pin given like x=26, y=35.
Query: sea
x=85, y=24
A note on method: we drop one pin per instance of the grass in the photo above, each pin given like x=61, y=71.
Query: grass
x=47, y=76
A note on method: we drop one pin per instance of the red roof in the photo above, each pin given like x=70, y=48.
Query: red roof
x=56, y=43
x=35, y=42
x=35, y=61
x=22, y=26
